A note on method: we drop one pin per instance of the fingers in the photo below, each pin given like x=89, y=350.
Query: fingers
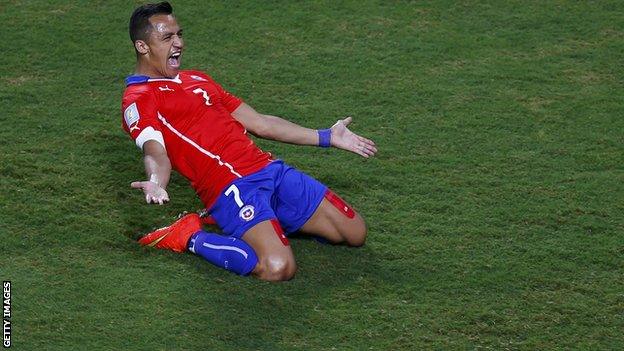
x=347, y=140
x=365, y=148
x=160, y=199
x=156, y=199
x=367, y=142
x=369, y=150
x=151, y=199
x=153, y=193
x=137, y=185
x=364, y=151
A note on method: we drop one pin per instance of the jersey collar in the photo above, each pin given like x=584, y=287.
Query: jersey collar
x=138, y=79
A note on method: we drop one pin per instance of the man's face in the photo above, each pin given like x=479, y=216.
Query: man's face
x=165, y=46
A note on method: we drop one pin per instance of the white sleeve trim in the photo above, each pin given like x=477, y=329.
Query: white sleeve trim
x=149, y=133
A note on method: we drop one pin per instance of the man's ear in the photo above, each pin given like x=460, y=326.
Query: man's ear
x=141, y=47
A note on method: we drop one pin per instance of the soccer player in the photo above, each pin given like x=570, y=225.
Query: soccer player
x=184, y=120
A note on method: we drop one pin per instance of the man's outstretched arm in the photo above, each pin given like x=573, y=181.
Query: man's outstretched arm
x=158, y=171
x=279, y=129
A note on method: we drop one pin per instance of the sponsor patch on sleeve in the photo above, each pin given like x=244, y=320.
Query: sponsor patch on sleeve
x=131, y=115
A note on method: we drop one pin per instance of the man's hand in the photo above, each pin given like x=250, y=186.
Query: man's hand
x=343, y=138
x=153, y=192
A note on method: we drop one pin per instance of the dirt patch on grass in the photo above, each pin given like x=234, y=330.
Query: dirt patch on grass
x=18, y=81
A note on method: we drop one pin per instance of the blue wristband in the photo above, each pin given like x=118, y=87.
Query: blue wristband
x=324, y=137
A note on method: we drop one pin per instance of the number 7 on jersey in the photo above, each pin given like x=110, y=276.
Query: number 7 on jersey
x=237, y=198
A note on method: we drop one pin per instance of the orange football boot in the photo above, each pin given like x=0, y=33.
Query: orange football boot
x=174, y=237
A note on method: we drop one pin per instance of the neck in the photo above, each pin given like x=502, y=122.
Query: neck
x=144, y=69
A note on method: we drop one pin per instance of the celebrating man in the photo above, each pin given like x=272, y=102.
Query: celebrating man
x=184, y=120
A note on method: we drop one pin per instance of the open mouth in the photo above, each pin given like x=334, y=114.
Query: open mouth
x=174, y=59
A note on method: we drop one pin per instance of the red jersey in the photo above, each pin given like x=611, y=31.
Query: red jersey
x=190, y=116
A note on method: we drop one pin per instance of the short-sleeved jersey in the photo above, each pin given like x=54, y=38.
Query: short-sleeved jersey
x=190, y=116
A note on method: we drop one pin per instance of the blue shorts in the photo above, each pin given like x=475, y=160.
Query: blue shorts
x=276, y=191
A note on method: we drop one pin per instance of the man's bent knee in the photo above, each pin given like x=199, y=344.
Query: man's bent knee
x=275, y=268
x=355, y=234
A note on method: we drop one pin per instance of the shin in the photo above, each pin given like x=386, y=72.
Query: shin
x=230, y=253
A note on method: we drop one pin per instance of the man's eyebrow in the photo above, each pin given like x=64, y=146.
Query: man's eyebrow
x=170, y=33
x=167, y=34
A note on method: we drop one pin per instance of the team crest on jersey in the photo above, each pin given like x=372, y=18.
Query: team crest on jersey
x=199, y=78
x=247, y=213
x=131, y=116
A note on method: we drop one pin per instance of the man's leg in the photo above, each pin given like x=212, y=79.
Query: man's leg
x=304, y=204
x=263, y=250
x=336, y=221
x=276, y=261
x=230, y=253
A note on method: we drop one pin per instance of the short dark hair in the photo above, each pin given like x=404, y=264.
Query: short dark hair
x=140, y=26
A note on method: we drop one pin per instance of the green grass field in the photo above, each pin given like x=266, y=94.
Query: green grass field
x=495, y=205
